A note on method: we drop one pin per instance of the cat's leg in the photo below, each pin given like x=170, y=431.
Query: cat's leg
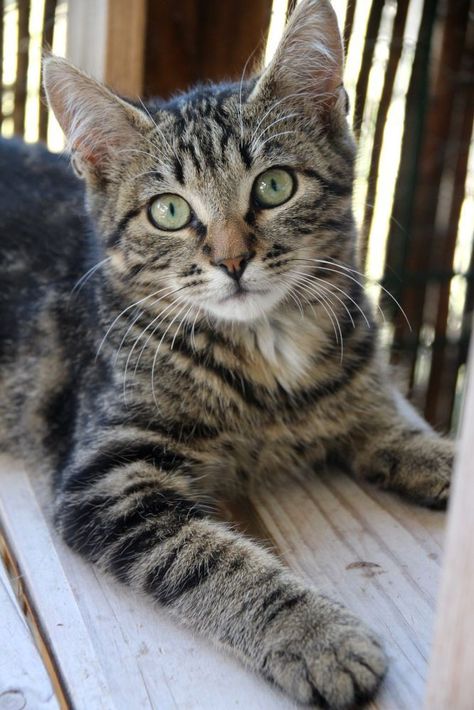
x=141, y=522
x=396, y=449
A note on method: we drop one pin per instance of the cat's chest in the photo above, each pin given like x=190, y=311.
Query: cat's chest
x=283, y=353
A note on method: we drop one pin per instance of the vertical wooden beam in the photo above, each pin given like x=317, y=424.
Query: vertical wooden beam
x=125, y=54
x=21, y=67
x=444, y=363
x=348, y=23
x=421, y=261
x=443, y=374
x=398, y=246
x=373, y=25
x=395, y=51
x=451, y=677
x=46, y=43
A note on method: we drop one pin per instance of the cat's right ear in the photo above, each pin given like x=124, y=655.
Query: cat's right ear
x=98, y=124
x=307, y=66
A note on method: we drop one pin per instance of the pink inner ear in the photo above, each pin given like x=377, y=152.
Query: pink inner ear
x=87, y=155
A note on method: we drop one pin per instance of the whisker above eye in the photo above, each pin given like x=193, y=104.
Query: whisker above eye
x=240, y=91
x=277, y=103
x=275, y=135
x=255, y=140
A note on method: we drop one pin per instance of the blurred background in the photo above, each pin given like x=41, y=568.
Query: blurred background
x=410, y=78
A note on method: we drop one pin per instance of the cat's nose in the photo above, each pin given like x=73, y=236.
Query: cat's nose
x=236, y=266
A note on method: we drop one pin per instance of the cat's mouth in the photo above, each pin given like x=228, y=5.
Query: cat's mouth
x=241, y=293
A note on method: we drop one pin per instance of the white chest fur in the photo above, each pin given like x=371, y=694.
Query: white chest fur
x=287, y=345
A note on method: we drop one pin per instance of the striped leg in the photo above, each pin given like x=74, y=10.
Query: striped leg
x=400, y=452
x=139, y=522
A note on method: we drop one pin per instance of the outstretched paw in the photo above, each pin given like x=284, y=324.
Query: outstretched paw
x=322, y=655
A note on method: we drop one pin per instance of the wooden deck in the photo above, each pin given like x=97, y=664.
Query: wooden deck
x=93, y=645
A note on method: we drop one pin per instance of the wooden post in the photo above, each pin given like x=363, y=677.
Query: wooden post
x=125, y=56
x=106, y=38
x=451, y=677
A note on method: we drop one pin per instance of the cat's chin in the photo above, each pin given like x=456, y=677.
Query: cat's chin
x=244, y=307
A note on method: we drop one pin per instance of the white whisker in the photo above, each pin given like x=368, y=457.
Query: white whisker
x=157, y=351
x=132, y=305
x=80, y=283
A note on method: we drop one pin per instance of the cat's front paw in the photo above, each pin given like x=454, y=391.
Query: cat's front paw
x=416, y=465
x=426, y=471
x=322, y=655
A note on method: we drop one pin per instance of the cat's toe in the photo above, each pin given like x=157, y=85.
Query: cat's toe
x=348, y=674
x=336, y=665
x=440, y=498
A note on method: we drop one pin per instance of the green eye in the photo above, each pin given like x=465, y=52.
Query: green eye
x=169, y=212
x=273, y=187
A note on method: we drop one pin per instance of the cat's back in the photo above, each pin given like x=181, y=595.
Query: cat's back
x=46, y=245
x=45, y=239
x=42, y=224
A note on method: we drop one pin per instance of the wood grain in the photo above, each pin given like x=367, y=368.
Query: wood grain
x=24, y=681
x=125, y=54
x=451, y=683
x=377, y=555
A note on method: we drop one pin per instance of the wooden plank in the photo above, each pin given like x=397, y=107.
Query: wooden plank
x=376, y=554
x=451, y=679
x=24, y=681
x=125, y=53
x=48, y=590
x=139, y=657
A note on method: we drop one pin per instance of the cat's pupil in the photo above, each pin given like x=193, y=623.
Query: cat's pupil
x=274, y=185
x=172, y=209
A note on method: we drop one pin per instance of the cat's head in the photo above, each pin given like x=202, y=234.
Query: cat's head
x=222, y=197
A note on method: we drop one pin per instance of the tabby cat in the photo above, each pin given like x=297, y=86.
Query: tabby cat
x=199, y=327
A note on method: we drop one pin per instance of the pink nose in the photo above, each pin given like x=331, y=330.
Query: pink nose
x=235, y=266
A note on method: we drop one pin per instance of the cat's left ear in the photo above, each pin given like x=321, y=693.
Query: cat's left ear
x=98, y=125
x=307, y=66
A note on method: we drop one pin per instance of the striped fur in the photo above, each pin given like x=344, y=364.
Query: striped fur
x=132, y=368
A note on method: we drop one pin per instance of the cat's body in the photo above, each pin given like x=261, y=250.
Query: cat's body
x=198, y=362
